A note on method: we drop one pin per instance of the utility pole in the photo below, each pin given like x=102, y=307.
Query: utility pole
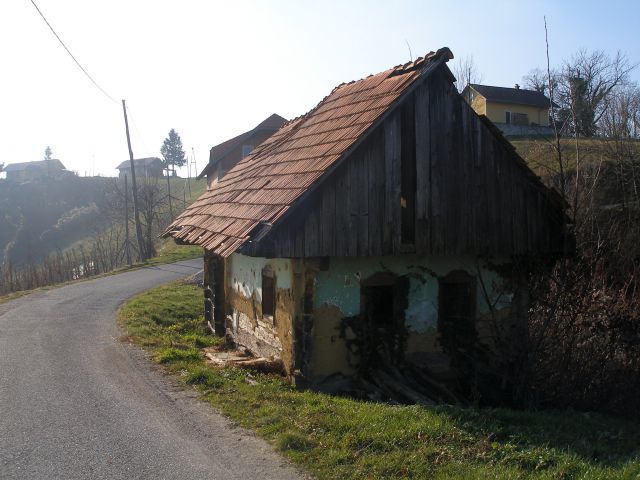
x=189, y=172
x=127, y=248
x=136, y=213
x=169, y=192
x=195, y=168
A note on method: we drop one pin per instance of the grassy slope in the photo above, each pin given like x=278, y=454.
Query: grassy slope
x=344, y=438
x=177, y=186
x=541, y=156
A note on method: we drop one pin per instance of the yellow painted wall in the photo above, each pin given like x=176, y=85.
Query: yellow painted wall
x=479, y=104
x=496, y=112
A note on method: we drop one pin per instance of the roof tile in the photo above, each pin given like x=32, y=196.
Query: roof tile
x=263, y=186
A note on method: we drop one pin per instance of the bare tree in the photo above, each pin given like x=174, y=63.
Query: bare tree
x=585, y=83
x=538, y=80
x=466, y=72
x=153, y=210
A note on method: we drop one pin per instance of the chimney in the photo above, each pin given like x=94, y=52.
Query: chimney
x=517, y=87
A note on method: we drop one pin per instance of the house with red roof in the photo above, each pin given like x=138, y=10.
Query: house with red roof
x=377, y=230
x=227, y=154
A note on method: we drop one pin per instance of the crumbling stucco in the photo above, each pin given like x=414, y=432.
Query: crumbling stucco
x=338, y=296
x=330, y=353
x=264, y=336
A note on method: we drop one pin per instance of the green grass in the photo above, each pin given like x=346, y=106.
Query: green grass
x=170, y=252
x=343, y=438
x=541, y=156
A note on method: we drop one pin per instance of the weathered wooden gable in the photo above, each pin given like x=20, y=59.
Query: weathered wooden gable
x=432, y=178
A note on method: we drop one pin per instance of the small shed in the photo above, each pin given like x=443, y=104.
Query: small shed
x=379, y=227
x=150, y=167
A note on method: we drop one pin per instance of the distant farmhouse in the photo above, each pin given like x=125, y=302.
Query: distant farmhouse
x=38, y=170
x=224, y=156
x=145, y=167
x=515, y=111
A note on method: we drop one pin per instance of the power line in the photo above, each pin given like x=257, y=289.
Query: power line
x=141, y=139
x=71, y=55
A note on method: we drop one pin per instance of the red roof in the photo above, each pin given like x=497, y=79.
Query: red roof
x=263, y=186
x=217, y=153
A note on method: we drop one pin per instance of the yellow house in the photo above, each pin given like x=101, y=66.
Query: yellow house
x=509, y=107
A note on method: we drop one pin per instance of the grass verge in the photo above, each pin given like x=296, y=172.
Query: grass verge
x=170, y=252
x=334, y=437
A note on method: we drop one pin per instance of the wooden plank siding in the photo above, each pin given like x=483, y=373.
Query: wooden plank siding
x=473, y=194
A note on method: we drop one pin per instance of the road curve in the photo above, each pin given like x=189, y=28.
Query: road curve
x=77, y=403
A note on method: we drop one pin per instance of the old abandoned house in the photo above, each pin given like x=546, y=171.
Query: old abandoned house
x=227, y=154
x=372, y=228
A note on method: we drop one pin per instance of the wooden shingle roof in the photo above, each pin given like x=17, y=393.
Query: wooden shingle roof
x=262, y=187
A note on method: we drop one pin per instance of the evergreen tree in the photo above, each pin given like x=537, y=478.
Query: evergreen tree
x=172, y=151
x=47, y=153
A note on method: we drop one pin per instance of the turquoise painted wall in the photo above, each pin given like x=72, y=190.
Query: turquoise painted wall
x=340, y=284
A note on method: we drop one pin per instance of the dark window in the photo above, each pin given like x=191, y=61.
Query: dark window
x=457, y=312
x=246, y=150
x=520, y=119
x=507, y=117
x=268, y=292
x=383, y=301
x=378, y=305
x=408, y=173
x=308, y=297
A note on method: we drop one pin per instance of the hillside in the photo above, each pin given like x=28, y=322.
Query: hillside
x=38, y=218
x=609, y=169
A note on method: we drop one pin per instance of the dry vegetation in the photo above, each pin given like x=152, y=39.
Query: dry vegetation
x=103, y=248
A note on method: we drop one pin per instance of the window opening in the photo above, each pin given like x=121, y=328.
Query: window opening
x=268, y=293
x=457, y=314
x=520, y=119
x=381, y=335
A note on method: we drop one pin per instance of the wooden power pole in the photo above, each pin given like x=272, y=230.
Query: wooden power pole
x=127, y=245
x=136, y=213
x=169, y=192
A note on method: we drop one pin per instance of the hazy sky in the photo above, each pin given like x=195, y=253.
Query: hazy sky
x=212, y=70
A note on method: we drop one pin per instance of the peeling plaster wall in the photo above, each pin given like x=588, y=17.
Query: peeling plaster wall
x=245, y=322
x=337, y=295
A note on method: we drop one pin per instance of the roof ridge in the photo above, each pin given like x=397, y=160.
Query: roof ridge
x=397, y=70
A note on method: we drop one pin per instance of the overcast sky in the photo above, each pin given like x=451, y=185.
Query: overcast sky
x=212, y=70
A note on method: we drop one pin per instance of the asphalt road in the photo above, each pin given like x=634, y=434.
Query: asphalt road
x=76, y=402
